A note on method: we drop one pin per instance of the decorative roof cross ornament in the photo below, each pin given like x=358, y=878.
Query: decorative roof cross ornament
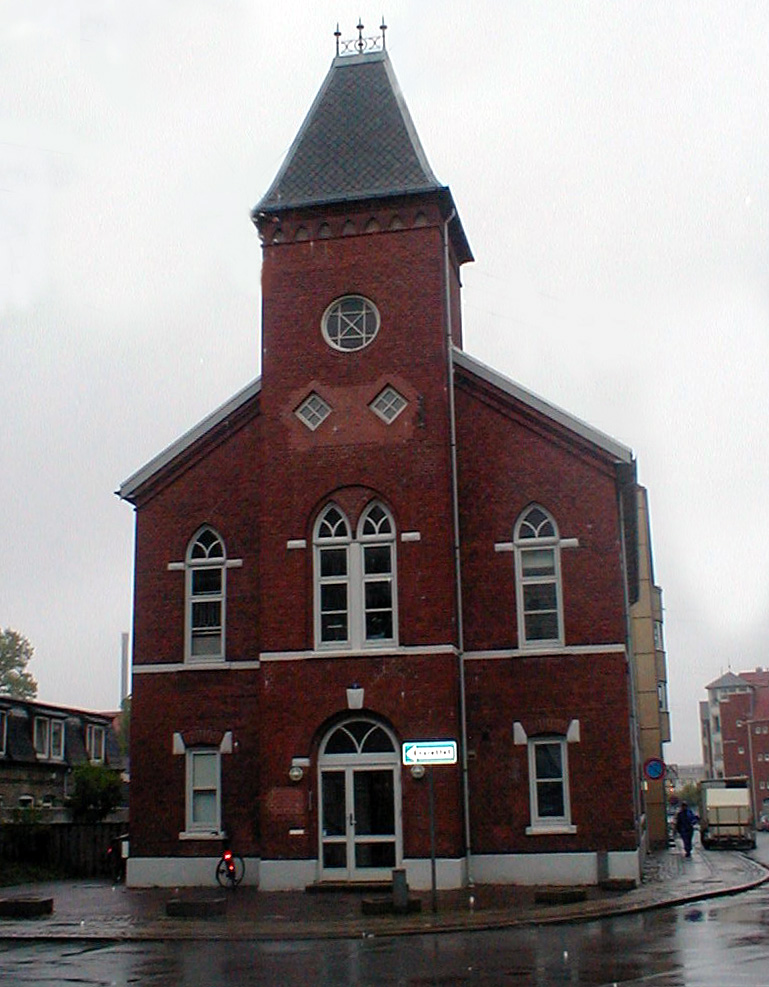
x=359, y=45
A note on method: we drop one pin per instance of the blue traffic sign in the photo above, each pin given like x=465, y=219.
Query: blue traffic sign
x=654, y=768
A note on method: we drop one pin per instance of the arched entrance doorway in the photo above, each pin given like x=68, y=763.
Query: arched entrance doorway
x=360, y=802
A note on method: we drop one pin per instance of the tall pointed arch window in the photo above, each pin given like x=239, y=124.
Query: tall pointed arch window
x=355, y=580
x=332, y=572
x=538, y=579
x=205, y=592
x=377, y=536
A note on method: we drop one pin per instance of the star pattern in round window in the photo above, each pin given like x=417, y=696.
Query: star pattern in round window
x=350, y=323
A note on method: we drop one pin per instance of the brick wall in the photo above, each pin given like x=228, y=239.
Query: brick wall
x=265, y=483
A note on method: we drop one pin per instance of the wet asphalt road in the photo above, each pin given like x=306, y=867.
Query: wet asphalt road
x=722, y=943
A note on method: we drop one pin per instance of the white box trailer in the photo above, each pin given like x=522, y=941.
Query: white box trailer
x=726, y=814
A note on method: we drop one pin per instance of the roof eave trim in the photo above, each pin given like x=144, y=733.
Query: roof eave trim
x=266, y=209
x=442, y=191
x=593, y=435
x=130, y=486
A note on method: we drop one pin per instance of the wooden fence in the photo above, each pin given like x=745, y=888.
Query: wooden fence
x=75, y=849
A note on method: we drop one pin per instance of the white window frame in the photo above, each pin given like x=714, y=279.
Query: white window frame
x=56, y=735
x=42, y=749
x=659, y=639
x=191, y=824
x=524, y=542
x=353, y=327
x=355, y=580
x=48, y=750
x=313, y=411
x=198, y=559
x=95, y=742
x=541, y=824
x=388, y=404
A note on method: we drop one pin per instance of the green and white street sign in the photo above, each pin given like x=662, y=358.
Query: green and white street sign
x=429, y=752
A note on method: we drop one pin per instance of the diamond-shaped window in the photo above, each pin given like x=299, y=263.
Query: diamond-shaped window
x=313, y=411
x=388, y=405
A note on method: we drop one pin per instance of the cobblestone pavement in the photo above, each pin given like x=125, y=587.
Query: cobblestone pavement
x=102, y=911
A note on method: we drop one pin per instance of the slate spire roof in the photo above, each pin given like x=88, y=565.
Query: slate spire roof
x=357, y=141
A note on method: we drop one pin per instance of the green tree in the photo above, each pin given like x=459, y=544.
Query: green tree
x=689, y=793
x=97, y=792
x=15, y=654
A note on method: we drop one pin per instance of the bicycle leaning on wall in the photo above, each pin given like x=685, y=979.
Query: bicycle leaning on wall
x=230, y=869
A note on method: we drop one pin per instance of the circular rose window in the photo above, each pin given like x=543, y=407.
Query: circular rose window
x=350, y=323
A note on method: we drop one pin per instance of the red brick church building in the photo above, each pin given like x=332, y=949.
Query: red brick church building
x=380, y=541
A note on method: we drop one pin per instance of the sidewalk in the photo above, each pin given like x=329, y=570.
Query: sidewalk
x=98, y=910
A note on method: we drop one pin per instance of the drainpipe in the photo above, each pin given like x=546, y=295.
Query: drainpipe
x=457, y=551
x=753, y=782
x=639, y=801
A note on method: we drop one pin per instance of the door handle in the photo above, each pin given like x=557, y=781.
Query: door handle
x=352, y=821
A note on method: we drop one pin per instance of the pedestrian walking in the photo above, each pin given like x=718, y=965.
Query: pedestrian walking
x=685, y=821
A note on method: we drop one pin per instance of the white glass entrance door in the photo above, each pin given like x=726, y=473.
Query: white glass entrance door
x=359, y=804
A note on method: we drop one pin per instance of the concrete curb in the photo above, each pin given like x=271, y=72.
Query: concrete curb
x=193, y=929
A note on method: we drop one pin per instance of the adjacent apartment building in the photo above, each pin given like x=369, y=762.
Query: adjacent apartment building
x=40, y=744
x=650, y=678
x=377, y=550
x=734, y=726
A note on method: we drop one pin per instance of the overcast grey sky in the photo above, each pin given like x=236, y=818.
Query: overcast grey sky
x=610, y=162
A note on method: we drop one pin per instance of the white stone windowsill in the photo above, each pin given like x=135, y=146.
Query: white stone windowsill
x=202, y=835
x=559, y=830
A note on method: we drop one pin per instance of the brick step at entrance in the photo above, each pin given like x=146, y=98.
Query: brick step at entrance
x=349, y=887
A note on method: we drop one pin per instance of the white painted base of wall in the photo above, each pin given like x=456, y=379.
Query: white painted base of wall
x=287, y=875
x=182, y=872
x=291, y=875
x=449, y=874
x=555, y=868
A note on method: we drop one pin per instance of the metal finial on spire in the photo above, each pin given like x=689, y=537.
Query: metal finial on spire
x=360, y=45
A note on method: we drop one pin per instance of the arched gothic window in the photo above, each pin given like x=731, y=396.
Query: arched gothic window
x=205, y=566
x=360, y=736
x=355, y=580
x=538, y=579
